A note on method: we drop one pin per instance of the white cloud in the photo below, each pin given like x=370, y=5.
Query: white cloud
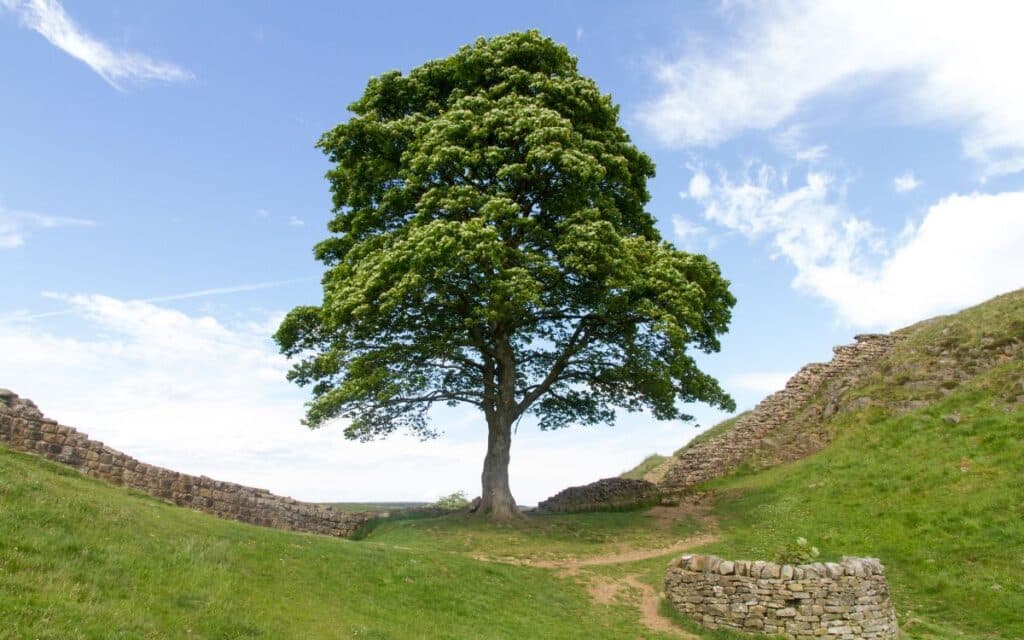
x=296, y=221
x=199, y=395
x=579, y=34
x=687, y=232
x=955, y=62
x=16, y=226
x=791, y=141
x=49, y=19
x=700, y=185
x=966, y=249
x=905, y=182
x=760, y=382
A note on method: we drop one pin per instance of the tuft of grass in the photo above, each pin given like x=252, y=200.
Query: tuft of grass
x=713, y=432
x=647, y=465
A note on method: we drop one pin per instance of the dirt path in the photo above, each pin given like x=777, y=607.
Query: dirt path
x=649, y=604
x=607, y=590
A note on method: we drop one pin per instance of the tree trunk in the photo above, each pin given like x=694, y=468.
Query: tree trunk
x=496, y=499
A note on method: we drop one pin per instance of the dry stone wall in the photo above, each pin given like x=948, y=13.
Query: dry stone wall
x=848, y=600
x=609, y=493
x=24, y=428
x=718, y=456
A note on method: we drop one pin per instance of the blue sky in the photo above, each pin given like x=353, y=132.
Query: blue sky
x=851, y=168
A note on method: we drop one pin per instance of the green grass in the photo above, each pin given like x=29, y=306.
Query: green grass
x=538, y=536
x=81, y=559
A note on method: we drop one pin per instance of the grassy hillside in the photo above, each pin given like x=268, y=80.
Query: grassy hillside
x=81, y=559
x=939, y=498
x=925, y=470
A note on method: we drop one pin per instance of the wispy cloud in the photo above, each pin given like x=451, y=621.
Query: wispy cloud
x=905, y=182
x=296, y=221
x=953, y=62
x=966, y=249
x=687, y=232
x=16, y=226
x=201, y=293
x=118, y=68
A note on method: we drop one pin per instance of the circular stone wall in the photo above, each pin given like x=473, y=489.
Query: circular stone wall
x=848, y=600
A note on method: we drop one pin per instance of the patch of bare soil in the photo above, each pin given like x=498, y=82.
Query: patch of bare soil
x=648, y=604
x=603, y=590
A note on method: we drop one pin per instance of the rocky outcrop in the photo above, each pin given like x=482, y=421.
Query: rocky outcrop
x=848, y=600
x=603, y=495
x=754, y=431
x=24, y=428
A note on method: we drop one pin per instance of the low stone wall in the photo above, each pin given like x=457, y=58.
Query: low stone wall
x=842, y=601
x=609, y=493
x=721, y=455
x=23, y=428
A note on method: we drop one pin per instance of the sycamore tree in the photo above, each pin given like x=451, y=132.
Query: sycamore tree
x=490, y=247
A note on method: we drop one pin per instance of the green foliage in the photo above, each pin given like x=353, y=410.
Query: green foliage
x=453, y=501
x=490, y=246
x=798, y=551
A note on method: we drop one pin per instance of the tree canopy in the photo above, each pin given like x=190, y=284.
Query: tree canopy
x=490, y=246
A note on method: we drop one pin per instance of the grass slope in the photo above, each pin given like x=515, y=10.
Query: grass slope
x=941, y=503
x=81, y=559
x=936, y=492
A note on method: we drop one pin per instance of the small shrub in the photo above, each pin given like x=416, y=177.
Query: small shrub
x=452, y=501
x=799, y=552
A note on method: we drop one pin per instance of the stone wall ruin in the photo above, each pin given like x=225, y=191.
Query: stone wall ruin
x=609, y=493
x=23, y=428
x=719, y=456
x=848, y=600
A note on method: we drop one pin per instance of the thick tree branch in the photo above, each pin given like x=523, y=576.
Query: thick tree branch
x=580, y=337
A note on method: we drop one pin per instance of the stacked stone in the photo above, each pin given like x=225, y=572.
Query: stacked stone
x=609, y=493
x=24, y=428
x=848, y=600
x=721, y=455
